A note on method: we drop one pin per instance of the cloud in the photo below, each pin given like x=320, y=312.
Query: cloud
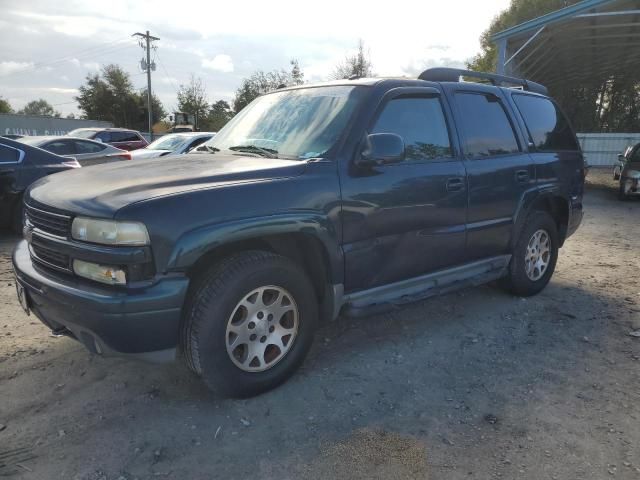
x=221, y=63
x=91, y=66
x=7, y=68
x=66, y=91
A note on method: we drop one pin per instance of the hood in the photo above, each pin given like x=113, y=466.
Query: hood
x=102, y=190
x=147, y=153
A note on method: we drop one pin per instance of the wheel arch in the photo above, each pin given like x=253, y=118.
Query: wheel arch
x=551, y=202
x=307, y=240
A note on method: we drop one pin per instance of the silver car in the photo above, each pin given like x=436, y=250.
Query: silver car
x=172, y=144
x=86, y=152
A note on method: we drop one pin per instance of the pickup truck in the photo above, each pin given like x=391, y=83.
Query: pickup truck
x=345, y=198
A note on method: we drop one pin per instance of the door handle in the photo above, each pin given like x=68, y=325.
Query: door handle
x=522, y=176
x=455, y=184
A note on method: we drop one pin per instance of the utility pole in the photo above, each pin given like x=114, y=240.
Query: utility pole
x=148, y=66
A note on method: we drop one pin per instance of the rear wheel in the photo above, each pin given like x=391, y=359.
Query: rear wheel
x=249, y=323
x=534, y=257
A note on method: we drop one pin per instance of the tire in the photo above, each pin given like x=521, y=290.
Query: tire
x=518, y=281
x=219, y=309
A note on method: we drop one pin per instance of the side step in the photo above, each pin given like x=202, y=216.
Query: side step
x=387, y=297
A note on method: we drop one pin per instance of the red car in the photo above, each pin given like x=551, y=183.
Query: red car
x=118, y=137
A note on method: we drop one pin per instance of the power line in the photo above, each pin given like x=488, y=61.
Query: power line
x=102, y=49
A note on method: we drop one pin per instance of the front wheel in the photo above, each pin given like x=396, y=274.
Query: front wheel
x=249, y=323
x=534, y=256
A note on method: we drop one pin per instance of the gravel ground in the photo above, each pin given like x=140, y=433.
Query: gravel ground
x=475, y=384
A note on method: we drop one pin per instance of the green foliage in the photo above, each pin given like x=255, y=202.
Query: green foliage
x=607, y=104
x=260, y=83
x=5, y=107
x=109, y=95
x=192, y=98
x=39, y=107
x=219, y=114
x=358, y=65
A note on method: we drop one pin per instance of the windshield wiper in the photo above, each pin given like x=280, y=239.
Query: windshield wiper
x=209, y=148
x=265, y=152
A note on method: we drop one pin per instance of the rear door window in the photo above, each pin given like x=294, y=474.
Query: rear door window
x=9, y=155
x=124, y=137
x=549, y=130
x=104, y=136
x=485, y=126
x=88, y=147
x=61, y=147
x=421, y=123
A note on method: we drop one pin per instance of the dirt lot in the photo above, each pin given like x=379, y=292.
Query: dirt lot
x=477, y=384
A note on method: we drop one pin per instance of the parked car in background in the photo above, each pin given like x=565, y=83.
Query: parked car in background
x=13, y=136
x=86, y=152
x=399, y=190
x=172, y=144
x=20, y=166
x=122, y=138
x=627, y=172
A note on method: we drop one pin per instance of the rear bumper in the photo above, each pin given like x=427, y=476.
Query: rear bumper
x=141, y=323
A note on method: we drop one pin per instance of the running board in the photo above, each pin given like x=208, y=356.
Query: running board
x=387, y=297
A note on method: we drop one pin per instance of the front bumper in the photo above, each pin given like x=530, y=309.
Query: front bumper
x=141, y=323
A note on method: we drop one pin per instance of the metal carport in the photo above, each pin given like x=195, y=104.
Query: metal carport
x=583, y=43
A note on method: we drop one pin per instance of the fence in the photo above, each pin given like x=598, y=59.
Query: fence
x=40, y=125
x=602, y=149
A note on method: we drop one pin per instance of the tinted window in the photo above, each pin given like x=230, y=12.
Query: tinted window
x=104, y=136
x=60, y=147
x=548, y=127
x=420, y=122
x=196, y=142
x=88, y=147
x=124, y=137
x=485, y=125
x=8, y=155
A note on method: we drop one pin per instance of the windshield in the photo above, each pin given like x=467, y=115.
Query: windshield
x=82, y=133
x=168, y=142
x=294, y=124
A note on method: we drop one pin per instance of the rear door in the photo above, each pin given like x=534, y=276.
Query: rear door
x=405, y=219
x=553, y=147
x=499, y=169
x=90, y=153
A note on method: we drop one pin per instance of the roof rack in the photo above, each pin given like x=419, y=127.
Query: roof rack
x=454, y=75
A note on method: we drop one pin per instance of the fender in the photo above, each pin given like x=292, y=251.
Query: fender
x=528, y=199
x=194, y=244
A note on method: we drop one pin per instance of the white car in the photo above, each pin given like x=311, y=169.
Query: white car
x=172, y=144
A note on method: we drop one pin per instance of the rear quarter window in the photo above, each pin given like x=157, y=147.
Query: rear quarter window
x=548, y=128
x=9, y=155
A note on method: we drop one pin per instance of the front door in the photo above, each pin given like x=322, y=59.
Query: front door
x=499, y=171
x=405, y=219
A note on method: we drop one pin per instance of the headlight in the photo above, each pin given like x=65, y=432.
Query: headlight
x=100, y=273
x=109, y=232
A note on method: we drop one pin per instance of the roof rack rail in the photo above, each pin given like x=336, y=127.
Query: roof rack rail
x=454, y=74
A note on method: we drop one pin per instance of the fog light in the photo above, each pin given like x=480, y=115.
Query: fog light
x=100, y=273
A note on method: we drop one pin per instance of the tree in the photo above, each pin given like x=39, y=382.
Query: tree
x=39, y=107
x=192, y=98
x=260, y=83
x=5, y=107
x=358, y=65
x=219, y=114
x=109, y=95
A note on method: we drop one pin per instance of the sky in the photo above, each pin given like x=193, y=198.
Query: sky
x=47, y=48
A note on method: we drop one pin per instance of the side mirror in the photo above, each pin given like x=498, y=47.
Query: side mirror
x=381, y=149
x=620, y=157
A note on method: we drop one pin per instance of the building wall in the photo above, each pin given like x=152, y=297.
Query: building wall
x=602, y=149
x=38, y=125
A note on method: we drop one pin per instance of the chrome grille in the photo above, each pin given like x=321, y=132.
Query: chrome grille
x=48, y=222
